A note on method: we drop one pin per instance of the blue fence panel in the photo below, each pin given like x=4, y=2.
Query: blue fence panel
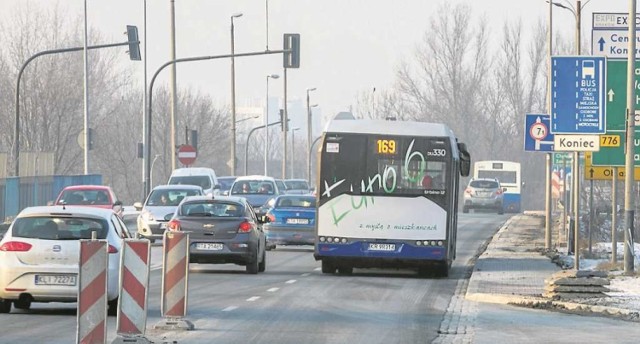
x=19, y=193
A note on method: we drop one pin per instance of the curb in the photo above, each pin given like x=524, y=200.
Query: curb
x=540, y=302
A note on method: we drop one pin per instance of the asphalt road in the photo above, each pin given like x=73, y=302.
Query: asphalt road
x=292, y=302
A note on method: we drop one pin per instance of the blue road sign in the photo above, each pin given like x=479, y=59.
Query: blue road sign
x=537, y=137
x=578, y=94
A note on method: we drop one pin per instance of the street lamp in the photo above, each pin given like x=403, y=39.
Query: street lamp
x=311, y=89
x=151, y=172
x=233, y=98
x=246, y=119
x=266, y=121
x=293, y=148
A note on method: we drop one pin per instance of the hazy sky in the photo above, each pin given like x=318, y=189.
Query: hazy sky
x=348, y=46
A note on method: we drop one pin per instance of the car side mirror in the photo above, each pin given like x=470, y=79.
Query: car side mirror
x=137, y=205
x=264, y=219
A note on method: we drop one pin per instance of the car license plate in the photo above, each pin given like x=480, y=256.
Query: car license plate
x=382, y=247
x=298, y=221
x=55, y=279
x=207, y=246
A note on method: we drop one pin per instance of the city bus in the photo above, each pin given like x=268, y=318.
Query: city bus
x=508, y=173
x=388, y=196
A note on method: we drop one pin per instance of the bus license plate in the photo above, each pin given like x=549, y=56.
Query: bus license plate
x=207, y=246
x=56, y=280
x=382, y=247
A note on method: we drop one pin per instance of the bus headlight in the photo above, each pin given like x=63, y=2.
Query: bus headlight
x=336, y=239
x=418, y=243
x=440, y=243
x=344, y=240
x=322, y=239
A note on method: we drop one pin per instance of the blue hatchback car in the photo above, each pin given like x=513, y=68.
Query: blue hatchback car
x=292, y=221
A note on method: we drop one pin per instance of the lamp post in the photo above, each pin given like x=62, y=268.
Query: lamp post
x=266, y=132
x=233, y=98
x=309, y=134
x=151, y=172
x=293, y=148
x=246, y=119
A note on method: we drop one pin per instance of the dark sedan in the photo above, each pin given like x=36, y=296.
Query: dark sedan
x=291, y=221
x=222, y=230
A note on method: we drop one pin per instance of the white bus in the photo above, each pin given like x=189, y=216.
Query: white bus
x=388, y=195
x=508, y=173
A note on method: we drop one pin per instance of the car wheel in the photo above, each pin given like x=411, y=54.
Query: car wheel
x=465, y=210
x=22, y=303
x=113, y=307
x=263, y=264
x=252, y=266
x=5, y=306
x=328, y=268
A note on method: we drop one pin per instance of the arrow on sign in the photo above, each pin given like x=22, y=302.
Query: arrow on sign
x=611, y=94
x=601, y=43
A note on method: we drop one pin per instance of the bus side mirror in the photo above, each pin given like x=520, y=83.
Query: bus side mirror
x=465, y=160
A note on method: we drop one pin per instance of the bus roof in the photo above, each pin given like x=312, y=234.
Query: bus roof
x=400, y=128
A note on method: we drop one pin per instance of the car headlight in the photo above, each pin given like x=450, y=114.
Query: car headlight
x=147, y=216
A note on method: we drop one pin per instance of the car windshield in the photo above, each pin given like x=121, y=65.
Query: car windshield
x=169, y=198
x=297, y=185
x=202, y=181
x=84, y=197
x=59, y=228
x=298, y=202
x=212, y=209
x=253, y=187
x=484, y=184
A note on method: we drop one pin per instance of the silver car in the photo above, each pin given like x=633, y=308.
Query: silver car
x=484, y=193
x=162, y=201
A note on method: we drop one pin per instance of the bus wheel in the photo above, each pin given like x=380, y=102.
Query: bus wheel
x=328, y=268
x=345, y=270
x=443, y=269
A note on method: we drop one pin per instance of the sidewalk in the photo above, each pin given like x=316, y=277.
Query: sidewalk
x=513, y=269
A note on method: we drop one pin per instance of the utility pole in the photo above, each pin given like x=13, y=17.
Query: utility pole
x=174, y=95
x=629, y=203
x=547, y=197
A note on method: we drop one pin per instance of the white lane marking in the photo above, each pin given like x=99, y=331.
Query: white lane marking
x=229, y=309
x=253, y=298
x=305, y=274
x=290, y=281
x=271, y=290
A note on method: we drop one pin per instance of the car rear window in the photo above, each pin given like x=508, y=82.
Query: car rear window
x=484, y=184
x=212, y=209
x=85, y=197
x=59, y=228
x=299, y=202
x=253, y=187
x=202, y=181
x=297, y=185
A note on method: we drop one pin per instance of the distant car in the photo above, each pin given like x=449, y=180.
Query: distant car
x=292, y=221
x=100, y=196
x=201, y=176
x=282, y=187
x=39, y=254
x=484, y=193
x=297, y=186
x=152, y=221
x=222, y=229
x=257, y=190
x=225, y=184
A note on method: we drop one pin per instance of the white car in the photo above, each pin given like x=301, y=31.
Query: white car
x=39, y=254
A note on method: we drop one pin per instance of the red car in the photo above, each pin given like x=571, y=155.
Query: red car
x=100, y=196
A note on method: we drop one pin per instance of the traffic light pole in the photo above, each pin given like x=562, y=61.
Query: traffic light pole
x=246, y=146
x=16, y=131
x=147, y=130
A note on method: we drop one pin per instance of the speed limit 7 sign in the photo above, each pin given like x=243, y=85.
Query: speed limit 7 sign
x=537, y=137
x=538, y=131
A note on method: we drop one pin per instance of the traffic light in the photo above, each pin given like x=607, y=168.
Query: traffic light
x=134, y=43
x=291, y=59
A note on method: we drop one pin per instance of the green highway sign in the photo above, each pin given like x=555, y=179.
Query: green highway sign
x=616, y=99
x=614, y=156
x=559, y=158
x=616, y=102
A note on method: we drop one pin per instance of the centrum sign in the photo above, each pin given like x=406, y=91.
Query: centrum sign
x=576, y=143
x=610, y=36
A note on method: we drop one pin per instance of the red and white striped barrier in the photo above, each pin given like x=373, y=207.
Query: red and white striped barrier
x=92, y=292
x=134, y=283
x=175, y=276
